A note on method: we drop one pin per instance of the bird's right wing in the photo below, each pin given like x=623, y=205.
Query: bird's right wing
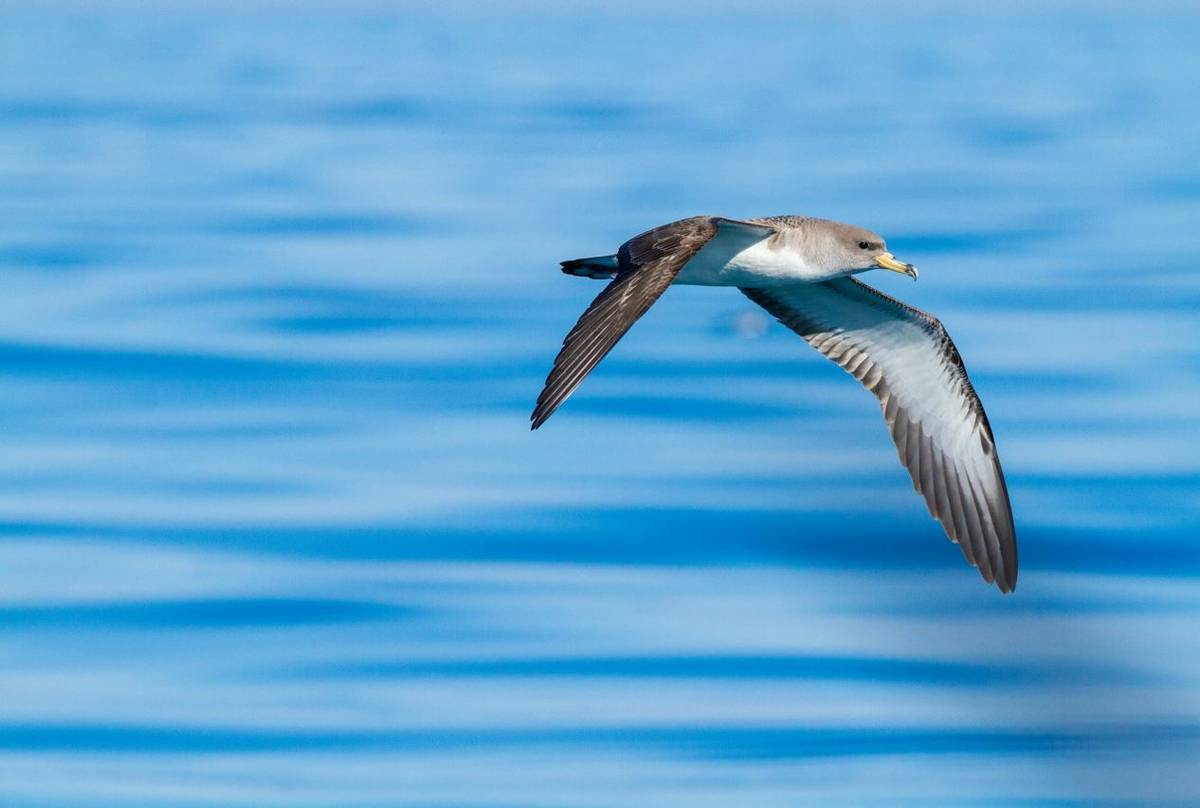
x=646, y=266
x=905, y=357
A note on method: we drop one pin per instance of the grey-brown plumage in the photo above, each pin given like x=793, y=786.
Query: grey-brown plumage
x=646, y=265
x=799, y=269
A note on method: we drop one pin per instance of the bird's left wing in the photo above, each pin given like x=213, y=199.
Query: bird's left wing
x=646, y=265
x=905, y=357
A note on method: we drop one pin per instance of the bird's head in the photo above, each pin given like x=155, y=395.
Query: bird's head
x=852, y=249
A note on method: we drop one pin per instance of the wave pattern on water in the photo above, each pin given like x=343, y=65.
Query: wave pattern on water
x=279, y=290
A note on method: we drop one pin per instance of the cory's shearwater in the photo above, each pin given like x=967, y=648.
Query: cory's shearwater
x=800, y=270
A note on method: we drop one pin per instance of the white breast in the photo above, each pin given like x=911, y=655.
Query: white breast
x=728, y=260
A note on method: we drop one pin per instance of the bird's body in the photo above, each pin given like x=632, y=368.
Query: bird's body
x=743, y=257
x=799, y=268
x=754, y=253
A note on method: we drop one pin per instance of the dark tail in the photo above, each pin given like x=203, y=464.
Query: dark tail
x=601, y=267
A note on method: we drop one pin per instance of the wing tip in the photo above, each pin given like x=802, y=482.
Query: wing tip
x=1008, y=583
x=1004, y=576
x=541, y=411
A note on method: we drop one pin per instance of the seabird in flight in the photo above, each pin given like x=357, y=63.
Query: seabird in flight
x=801, y=270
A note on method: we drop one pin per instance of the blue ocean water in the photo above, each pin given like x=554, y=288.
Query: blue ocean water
x=278, y=287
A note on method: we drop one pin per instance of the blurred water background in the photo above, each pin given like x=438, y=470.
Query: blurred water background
x=278, y=287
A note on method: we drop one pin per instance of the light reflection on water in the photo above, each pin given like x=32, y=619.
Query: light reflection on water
x=279, y=290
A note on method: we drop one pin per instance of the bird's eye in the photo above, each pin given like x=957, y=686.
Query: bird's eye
x=864, y=245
